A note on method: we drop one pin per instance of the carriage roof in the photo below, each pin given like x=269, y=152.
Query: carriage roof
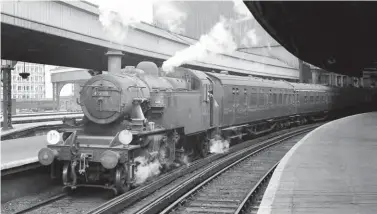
x=226, y=79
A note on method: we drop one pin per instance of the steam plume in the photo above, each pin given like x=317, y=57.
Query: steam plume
x=119, y=16
x=146, y=169
x=250, y=39
x=218, y=40
x=218, y=145
x=170, y=16
x=241, y=9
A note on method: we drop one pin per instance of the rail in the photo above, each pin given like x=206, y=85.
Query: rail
x=198, y=171
x=183, y=179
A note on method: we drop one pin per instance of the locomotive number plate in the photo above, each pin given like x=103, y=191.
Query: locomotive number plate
x=98, y=93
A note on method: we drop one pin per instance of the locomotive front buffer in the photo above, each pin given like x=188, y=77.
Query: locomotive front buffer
x=107, y=164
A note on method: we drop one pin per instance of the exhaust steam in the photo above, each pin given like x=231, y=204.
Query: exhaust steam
x=118, y=17
x=220, y=40
x=146, y=169
x=218, y=145
x=170, y=16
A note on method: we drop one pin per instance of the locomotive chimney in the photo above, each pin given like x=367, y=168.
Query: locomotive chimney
x=114, y=61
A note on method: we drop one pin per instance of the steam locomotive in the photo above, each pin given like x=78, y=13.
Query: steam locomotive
x=138, y=113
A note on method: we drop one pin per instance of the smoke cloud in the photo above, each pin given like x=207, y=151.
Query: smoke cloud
x=184, y=160
x=218, y=40
x=118, y=17
x=218, y=145
x=241, y=9
x=146, y=169
x=170, y=16
x=250, y=39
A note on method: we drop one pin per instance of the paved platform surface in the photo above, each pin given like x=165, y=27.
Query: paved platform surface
x=24, y=126
x=21, y=151
x=44, y=114
x=45, y=117
x=333, y=170
x=41, y=114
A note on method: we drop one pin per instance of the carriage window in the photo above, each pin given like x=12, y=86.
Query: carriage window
x=260, y=98
x=317, y=98
x=253, y=99
x=311, y=99
x=305, y=99
x=274, y=101
x=280, y=99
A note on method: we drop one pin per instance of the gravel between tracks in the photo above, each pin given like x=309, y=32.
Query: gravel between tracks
x=79, y=202
x=276, y=157
x=83, y=202
x=254, y=207
x=228, y=190
x=28, y=201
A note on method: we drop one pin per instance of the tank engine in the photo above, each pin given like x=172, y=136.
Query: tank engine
x=141, y=115
x=128, y=115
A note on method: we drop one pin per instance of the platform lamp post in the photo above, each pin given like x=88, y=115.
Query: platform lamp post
x=6, y=68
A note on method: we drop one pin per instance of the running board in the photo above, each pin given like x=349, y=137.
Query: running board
x=262, y=132
x=234, y=127
x=320, y=119
x=237, y=136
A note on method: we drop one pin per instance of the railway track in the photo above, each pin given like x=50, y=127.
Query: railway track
x=42, y=203
x=233, y=188
x=163, y=191
x=69, y=202
x=157, y=194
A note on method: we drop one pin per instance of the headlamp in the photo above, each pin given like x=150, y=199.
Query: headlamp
x=53, y=137
x=125, y=137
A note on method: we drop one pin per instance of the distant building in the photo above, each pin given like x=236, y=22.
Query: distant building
x=31, y=88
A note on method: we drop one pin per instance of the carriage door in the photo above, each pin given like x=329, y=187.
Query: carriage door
x=210, y=99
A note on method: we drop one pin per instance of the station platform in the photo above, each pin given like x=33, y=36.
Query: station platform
x=28, y=114
x=25, y=126
x=43, y=118
x=21, y=151
x=333, y=169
